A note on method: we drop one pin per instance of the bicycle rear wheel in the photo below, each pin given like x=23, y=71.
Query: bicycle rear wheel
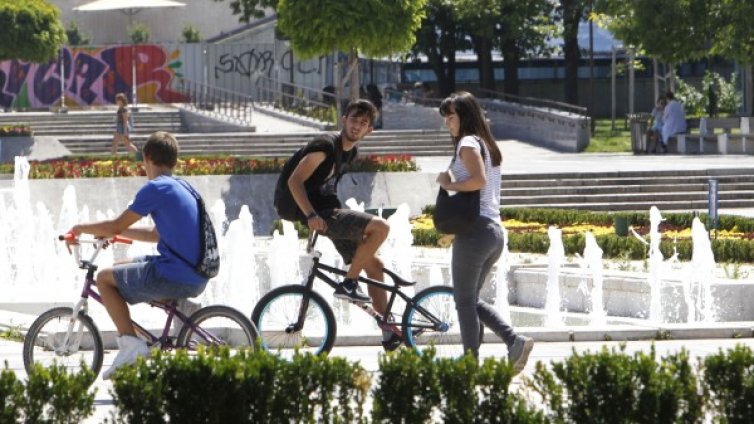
x=277, y=313
x=431, y=319
x=218, y=326
x=48, y=341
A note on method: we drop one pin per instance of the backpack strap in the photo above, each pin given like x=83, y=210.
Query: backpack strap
x=200, y=211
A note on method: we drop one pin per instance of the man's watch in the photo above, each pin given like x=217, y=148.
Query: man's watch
x=311, y=215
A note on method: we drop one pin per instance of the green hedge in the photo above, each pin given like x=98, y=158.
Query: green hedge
x=608, y=386
x=50, y=395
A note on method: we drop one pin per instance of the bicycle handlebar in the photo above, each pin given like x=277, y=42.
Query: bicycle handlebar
x=114, y=239
x=312, y=241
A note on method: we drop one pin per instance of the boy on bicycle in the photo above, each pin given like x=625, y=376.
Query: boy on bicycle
x=312, y=184
x=175, y=213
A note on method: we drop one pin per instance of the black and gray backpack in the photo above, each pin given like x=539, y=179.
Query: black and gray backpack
x=209, y=254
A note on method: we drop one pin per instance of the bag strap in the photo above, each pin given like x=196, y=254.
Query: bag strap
x=201, y=211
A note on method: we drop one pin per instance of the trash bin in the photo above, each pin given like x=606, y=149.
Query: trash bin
x=638, y=124
x=620, y=223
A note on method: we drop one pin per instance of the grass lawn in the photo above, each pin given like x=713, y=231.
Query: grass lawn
x=607, y=140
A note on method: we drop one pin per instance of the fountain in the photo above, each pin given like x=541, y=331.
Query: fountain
x=247, y=259
x=701, y=275
x=555, y=255
x=593, y=260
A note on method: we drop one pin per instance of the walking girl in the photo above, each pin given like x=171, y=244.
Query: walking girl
x=476, y=166
x=123, y=126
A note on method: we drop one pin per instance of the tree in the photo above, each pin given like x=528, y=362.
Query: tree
x=735, y=38
x=31, y=30
x=439, y=37
x=251, y=8
x=571, y=13
x=373, y=27
x=76, y=37
x=517, y=28
x=191, y=34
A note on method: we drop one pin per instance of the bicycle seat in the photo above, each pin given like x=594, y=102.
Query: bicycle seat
x=397, y=279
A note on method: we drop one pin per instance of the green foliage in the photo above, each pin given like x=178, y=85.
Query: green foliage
x=191, y=34
x=251, y=8
x=612, y=387
x=697, y=103
x=31, y=30
x=11, y=396
x=248, y=387
x=76, y=37
x=729, y=383
x=54, y=395
x=138, y=33
x=373, y=27
x=419, y=388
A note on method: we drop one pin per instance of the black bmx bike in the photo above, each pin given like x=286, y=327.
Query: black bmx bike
x=296, y=317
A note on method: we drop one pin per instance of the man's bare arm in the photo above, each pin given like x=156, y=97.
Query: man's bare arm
x=108, y=228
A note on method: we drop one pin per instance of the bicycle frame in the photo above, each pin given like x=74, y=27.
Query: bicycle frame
x=318, y=271
x=88, y=291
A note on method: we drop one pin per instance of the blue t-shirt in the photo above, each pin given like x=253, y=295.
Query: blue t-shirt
x=176, y=216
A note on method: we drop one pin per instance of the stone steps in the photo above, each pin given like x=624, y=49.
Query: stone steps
x=635, y=190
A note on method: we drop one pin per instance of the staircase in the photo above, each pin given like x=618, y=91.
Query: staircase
x=623, y=191
x=94, y=123
x=410, y=142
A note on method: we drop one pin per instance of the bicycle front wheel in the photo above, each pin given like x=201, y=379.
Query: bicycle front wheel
x=431, y=319
x=294, y=317
x=56, y=338
x=218, y=326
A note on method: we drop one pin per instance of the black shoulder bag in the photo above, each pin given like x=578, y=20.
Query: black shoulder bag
x=456, y=214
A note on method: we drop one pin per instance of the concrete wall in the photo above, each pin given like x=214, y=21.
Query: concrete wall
x=374, y=189
x=555, y=130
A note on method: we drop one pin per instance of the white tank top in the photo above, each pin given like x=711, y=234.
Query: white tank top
x=489, y=204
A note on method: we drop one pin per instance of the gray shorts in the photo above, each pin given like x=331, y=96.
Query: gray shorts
x=138, y=282
x=345, y=227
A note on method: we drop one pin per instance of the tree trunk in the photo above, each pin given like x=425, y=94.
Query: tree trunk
x=353, y=59
x=572, y=10
x=483, y=47
x=510, y=64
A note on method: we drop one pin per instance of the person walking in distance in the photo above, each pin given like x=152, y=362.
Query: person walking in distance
x=476, y=166
x=307, y=192
x=173, y=208
x=122, y=126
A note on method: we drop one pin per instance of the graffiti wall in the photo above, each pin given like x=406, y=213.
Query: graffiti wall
x=93, y=76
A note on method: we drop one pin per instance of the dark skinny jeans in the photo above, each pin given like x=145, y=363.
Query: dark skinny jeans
x=474, y=254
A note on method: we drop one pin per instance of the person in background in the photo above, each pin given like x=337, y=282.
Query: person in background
x=674, y=120
x=654, y=133
x=476, y=166
x=122, y=126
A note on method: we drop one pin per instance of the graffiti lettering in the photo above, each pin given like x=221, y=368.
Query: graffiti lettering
x=92, y=76
x=245, y=64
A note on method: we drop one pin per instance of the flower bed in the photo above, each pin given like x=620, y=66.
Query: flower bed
x=118, y=166
x=16, y=130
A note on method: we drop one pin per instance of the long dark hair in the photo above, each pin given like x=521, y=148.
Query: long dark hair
x=472, y=122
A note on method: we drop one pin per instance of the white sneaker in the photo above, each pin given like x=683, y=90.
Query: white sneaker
x=130, y=348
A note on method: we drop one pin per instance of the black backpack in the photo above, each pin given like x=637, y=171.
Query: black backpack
x=209, y=254
x=285, y=205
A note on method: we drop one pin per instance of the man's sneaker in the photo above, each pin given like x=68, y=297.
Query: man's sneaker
x=350, y=290
x=130, y=348
x=518, y=353
x=392, y=343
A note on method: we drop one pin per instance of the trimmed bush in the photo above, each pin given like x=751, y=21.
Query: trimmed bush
x=249, y=387
x=729, y=384
x=415, y=388
x=50, y=395
x=613, y=387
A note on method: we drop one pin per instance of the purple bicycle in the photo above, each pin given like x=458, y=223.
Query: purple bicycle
x=69, y=336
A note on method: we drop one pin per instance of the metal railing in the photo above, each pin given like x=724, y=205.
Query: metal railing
x=409, y=96
x=232, y=106
x=531, y=101
x=297, y=99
